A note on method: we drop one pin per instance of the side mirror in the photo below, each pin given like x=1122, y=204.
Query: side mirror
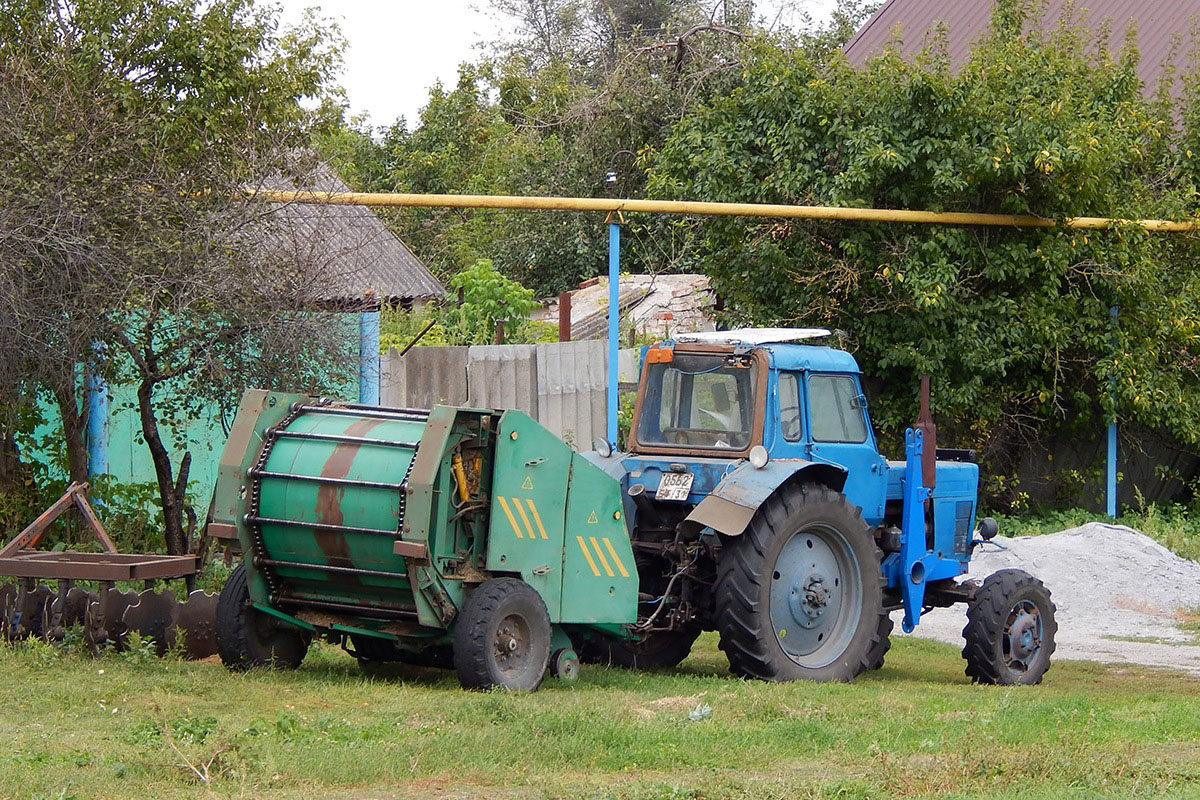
x=988, y=528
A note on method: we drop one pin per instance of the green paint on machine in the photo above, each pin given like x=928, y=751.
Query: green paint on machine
x=365, y=523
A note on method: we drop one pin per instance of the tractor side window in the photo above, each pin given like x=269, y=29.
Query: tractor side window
x=834, y=409
x=789, y=406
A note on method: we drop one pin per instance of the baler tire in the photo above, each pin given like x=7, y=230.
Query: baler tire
x=747, y=568
x=502, y=607
x=662, y=650
x=245, y=639
x=1007, y=598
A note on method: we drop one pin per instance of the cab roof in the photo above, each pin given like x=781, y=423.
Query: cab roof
x=781, y=344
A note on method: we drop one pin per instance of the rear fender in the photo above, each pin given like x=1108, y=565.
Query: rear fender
x=729, y=508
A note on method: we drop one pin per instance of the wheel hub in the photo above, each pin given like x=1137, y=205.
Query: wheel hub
x=1022, y=636
x=808, y=599
x=511, y=642
x=815, y=595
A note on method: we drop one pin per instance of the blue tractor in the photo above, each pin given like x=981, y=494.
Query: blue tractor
x=760, y=506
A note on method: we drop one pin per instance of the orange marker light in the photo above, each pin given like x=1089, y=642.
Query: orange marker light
x=660, y=355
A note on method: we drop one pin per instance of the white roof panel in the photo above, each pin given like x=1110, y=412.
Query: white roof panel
x=753, y=335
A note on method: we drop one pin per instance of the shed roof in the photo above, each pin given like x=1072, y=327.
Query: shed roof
x=352, y=246
x=1158, y=24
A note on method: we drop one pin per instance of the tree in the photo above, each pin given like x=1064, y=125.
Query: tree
x=134, y=130
x=1014, y=324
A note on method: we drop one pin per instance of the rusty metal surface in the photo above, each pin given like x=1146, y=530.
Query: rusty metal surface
x=196, y=617
x=153, y=617
x=96, y=566
x=103, y=622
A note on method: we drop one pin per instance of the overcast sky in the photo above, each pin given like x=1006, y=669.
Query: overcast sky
x=397, y=49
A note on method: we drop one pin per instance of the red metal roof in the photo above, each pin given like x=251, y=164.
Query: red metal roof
x=1158, y=23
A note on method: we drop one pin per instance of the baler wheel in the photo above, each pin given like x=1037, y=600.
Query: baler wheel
x=799, y=594
x=1010, y=630
x=248, y=638
x=502, y=637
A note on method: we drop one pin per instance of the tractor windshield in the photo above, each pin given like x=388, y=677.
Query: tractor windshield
x=699, y=401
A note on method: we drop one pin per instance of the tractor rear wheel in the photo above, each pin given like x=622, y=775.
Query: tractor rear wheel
x=246, y=637
x=661, y=650
x=799, y=593
x=1010, y=630
x=502, y=637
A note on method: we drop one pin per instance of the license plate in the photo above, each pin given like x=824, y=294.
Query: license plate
x=674, y=486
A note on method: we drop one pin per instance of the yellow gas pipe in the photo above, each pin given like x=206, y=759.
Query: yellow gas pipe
x=715, y=209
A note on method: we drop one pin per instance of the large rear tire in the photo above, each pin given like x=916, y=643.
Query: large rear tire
x=1010, y=630
x=502, y=637
x=799, y=594
x=248, y=638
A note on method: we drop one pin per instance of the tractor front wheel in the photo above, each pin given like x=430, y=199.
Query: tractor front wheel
x=246, y=637
x=800, y=592
x=1010, y=630
x=502, y=637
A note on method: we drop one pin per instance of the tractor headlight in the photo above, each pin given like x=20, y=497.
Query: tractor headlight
x=758, y=456
x=602, y=446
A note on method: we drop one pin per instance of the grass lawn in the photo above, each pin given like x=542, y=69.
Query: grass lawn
x=124, y=726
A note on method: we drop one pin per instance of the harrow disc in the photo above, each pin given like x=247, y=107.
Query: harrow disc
x=34, y=610
x=197, y=618
x=8, y=611
x=104, y=625
x=153, y=618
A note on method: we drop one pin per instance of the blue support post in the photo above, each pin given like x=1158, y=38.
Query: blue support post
x=614, y=314
x=97, y=422
x=368, y=357
x=1112, y=437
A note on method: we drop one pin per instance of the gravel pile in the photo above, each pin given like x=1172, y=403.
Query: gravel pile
x=1118, y=593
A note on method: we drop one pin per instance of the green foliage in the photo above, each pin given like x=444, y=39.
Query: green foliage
x=1013, y=324
x=585, y=88
x=488, y=298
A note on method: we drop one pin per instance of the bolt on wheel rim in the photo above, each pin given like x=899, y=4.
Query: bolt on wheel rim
x=511, y=645
x=815, y=596
x=1022, y=637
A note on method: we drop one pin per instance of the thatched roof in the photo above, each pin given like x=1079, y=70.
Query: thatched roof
x=351, y=246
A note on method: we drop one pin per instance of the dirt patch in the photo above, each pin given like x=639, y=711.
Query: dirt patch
x=668, y=704
x=1120, y=596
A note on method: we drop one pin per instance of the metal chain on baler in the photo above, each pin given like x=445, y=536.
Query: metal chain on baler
x=257, y=545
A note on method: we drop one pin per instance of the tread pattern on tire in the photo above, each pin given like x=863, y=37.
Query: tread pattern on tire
x=742, y=573
x=233, y=629
x=986, y=615
x=880, y=649
x=471, y=641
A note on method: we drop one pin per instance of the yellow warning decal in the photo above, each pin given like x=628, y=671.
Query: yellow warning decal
x=537, y=518
x=612, y=552
x=524, y=518
x=528, y=484
x=603, y=560
x=588, y=556
x=593, y=519
x=511, y=519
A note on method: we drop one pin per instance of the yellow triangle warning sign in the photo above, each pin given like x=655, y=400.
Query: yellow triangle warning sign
x=528, y=484
x=593, y=519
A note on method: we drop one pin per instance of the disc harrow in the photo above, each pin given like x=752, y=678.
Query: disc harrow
x=107, y=614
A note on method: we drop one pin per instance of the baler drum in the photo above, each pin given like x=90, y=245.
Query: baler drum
x=329, y=492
